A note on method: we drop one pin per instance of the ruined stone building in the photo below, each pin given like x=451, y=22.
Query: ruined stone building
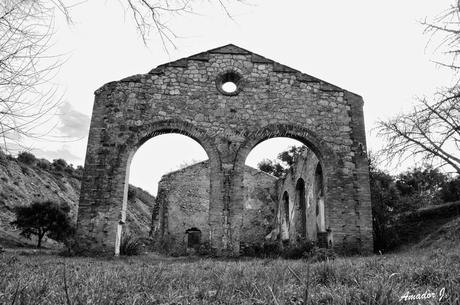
x=183, y=201
x=269, y=100
x=288, y=209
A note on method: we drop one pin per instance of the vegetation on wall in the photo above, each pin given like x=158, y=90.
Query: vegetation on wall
x=284, y=161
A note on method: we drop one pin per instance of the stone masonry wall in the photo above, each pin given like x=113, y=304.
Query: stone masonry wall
x=183, y=198
x=185, y=96
x=304, y=168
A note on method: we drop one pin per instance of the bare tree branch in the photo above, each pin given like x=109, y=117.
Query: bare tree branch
x=444, y=31
x=153, y=15
x=431, y=131
x=26, y=67
x=27, y=98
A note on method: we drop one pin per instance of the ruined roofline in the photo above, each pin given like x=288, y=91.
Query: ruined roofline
x=183, y=169
x=235, y=50
x=254, y=170
x=258, y=171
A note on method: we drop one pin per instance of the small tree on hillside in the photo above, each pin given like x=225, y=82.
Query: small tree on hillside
x=44, y=218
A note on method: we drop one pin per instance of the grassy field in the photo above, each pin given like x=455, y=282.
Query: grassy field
x=148, y=279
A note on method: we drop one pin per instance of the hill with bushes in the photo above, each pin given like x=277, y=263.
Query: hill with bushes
x=25, y=179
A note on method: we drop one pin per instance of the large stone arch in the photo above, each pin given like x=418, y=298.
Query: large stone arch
x=115, y=214
x=185, y=96
x=160, y=128
x=328, y=160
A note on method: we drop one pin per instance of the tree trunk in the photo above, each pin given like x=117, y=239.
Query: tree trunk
x=40, y=237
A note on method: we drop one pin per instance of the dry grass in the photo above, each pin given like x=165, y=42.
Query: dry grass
x=148, y=279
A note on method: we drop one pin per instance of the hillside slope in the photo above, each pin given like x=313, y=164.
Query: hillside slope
x=413, y=227
x=40, y=180
x=448, y=235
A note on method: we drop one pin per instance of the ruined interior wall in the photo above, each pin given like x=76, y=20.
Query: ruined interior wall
x=260, y=200
x=183, y=199
x=304, y=168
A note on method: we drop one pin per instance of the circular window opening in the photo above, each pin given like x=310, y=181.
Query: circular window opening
x=229, y=83
x=229, y=87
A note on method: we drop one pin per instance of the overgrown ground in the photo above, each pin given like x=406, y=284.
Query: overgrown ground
x=382, y=279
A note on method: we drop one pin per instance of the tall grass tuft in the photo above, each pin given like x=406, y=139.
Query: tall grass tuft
x=130, y=245
x=326, y=273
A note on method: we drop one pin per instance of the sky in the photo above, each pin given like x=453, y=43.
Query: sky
x=375, y=49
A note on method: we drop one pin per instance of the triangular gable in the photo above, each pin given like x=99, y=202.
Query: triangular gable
x=255, y=58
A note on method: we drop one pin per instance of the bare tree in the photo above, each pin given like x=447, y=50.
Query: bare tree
x=26, y=28
x=430, y=131
x=153, y=15
x=27, y=98
x=444, y=31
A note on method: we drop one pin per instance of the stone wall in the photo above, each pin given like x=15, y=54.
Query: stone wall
x=259, y=206
x=183, y=201
x=306, y=170
x=186, y=96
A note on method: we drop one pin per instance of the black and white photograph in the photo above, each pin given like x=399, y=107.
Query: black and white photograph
x=181, y=152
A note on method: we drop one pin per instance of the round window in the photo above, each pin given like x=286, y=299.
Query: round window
x=229, y=87
x=229, y=83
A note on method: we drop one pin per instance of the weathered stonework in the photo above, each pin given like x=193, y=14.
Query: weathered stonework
x=183, y=201
x=272, y=100
x=301, y=214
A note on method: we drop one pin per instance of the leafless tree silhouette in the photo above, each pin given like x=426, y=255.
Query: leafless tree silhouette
x=431, y=130
x=444, y=31
x=152, y=16
x=27, y=98
x=26, y=29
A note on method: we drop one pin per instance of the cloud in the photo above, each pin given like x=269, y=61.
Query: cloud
x=74, y=124
x=60, y=153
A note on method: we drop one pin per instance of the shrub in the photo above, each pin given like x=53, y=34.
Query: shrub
x=131, y=193
x=299, y=250
x=451, y=190
x=69, y=169
x=78, y=173
x=326, y=273
x=204, y=249
x=271, y=249
x=130, y=245
x=427, y=276
x=249, y=250
x=320, y=255
x=44, y=164
x=26, y=158
x=263, y=250
x=59, y=165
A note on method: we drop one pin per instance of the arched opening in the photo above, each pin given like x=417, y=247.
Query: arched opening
x=297, y=165
x=155, y=203
x=266, y=164
x=285, y=225
x=319, y=194
x=300, y=201
x=286, y=208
